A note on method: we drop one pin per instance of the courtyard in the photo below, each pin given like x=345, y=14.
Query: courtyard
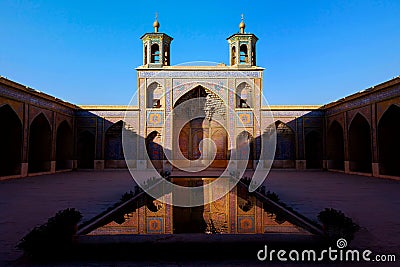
x=371, y=202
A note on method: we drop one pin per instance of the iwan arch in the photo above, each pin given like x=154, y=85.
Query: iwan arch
x=357, y=134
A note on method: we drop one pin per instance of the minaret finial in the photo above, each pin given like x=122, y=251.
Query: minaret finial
x=156, y=24
x=242, y=25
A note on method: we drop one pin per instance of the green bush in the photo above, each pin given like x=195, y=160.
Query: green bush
x=337, y=225
x=53, y=237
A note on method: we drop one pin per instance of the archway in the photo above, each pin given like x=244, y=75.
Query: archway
x=244, y=141
x=244, y=96
x=39, y=145
x=86, y=150
x=113, y=146
x=389, y=142
x=335, y=147
x=154, y=94
x=209, y=123
x=360, y=145
x=313, y=150
x=154, y=149
x=10, y=142
x=285, y=154
x=64, y=146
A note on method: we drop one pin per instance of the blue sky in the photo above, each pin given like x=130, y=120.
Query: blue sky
x=314, y=52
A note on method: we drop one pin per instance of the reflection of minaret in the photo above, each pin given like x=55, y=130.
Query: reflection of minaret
x=156, y=47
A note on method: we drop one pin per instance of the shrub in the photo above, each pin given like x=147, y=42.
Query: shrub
x=52, y=237
x=337, y=225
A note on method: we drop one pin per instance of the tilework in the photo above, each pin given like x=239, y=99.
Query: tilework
x=374, y=97
x=155, y=118
x=199, y=74
x=232, y=210
x=32, y=99
x=99, y=139
x=244, y=118
x=259, y=219
x=155, y=225
x=381, y=108
x=182, y=86
x=246, y=224
x=231, y=112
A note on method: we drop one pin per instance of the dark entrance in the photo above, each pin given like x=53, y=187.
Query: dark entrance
x=335, y=147
x=389, y=142
x=10, y=142
x=86, y=149
x=191, y=219
x=40, y=145
x=314, y=150
x=64, y=147
x=360, y=145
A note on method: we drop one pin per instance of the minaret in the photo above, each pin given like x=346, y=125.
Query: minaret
x=242, y=47
x=156, y=47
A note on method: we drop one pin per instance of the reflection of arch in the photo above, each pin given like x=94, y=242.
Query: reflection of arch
x=154, y=94
x=64, y=145
x=154, y=149
x=10, y=142
x=244, y=141
x=155, y=53
x=285, y=145
x=86, y=149
x=389, y=141
x=244, y=96
x=313, y=144
x=360, y=144
x=113, y=142
x=39, y=144
x=335, y=146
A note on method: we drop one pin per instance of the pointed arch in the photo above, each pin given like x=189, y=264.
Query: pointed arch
x=39, y=144
x=145, y=55
x=285, y=153
x=389, y=141
x=233, y=55
x=335, y=146
x=244, y=141
x=359, y=115
x=154, y=149
x=113, y=144
x=86, y=150
x=313, y=146
x=206, y=121
x=244, y=54
x=244, y=96
x=10, y=141
x=155, y=53
x=154, y=94
x=64, y=146
x=360, y=154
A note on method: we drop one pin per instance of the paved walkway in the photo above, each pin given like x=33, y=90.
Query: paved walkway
x=371, y=202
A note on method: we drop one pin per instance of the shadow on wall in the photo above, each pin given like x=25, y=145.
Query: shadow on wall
x=359, y=147
x=98, y=141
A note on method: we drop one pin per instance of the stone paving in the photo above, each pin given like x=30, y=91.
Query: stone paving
x=371, y=202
